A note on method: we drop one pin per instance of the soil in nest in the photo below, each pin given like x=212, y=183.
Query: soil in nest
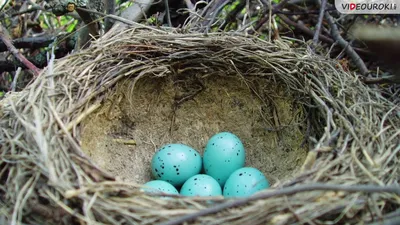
x=158, y=111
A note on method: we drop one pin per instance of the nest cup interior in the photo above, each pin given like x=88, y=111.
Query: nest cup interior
x=189, y=109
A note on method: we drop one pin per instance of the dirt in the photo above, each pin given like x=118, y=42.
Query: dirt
x=158, y=111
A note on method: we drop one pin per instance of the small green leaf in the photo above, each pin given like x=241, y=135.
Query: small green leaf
x=72, y=26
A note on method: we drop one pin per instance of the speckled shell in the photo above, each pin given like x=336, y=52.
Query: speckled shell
x=224, y=153
x=201, y=185
x=175, y=163
x=245, y=182
x=159, y=185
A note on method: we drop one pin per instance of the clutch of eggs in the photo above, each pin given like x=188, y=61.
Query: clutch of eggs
x=223, y=163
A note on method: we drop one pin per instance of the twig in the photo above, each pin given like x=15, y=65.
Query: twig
x=310, y=33
x=189, y=5
x=266, y=18
x=269, y=19
x=110, y=9
x=4, y=37
x=381, y=80
x=15, y=80
x=124, y=141
x=280, y=5
x=121, y=19
x=305, y=29
x=319, y=23
x=232, y=14
x=284, y=191
x=32, y=9
x=345, y=45
x=30, y=42
x=167, y=13
x=214, y=15
x=307, y=12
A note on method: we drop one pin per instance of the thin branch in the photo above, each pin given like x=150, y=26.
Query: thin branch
x=232, y=14
x=32, y=9
x=110, y=9
x=319, y=23
x=121, y=19
x=266, y=18
x=29, y=42
x=4, y=37
x=167, y=13
x=381, y=80
x=215, y=13
x=189, y=5
x=280, y=5
x=307, y=12
x=345, y=45
x=282, y=192
x=305, y=29
x=15, y=80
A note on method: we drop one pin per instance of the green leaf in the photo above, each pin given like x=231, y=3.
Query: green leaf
x=72, y=26
x=43, y=24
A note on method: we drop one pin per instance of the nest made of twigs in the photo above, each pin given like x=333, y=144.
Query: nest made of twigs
x=351, y=173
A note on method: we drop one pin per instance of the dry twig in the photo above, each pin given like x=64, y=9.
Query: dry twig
x=284, y=191
x=345, y=45
x=6, y=40
x=319, y=23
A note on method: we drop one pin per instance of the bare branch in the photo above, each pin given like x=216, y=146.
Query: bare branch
x=345, y=45
x=305, y=29
x=29, y=42
x=319, y=23
x=282, y=192
x=110, y=10
x=4, y=37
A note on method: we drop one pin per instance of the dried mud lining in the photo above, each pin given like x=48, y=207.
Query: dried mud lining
x=266, y=120
x=62, y=160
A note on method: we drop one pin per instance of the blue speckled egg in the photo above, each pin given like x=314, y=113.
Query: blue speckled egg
x=224, y=153
x=201, y=185
x=175, y=163
x=159, y=186
x=245, y=182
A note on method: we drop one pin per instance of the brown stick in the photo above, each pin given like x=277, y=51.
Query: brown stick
x=305, y=29
x=266, y=18
x=30, y=42
x=110, y=9
x=232, y=14
x=345, y=45
x=4, y=37
x=319, y=23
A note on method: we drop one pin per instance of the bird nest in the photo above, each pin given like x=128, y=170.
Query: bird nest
x=328, y=143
